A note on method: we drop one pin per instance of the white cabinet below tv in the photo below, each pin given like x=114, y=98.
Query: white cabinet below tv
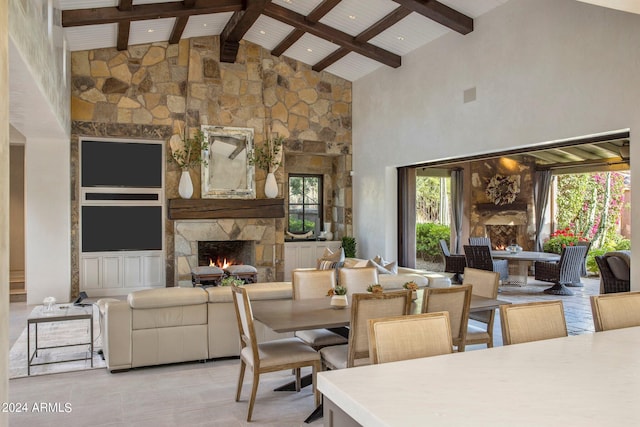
x=305, y=253
x=118, y=273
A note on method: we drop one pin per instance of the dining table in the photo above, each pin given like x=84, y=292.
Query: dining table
x=290, y=315
x=316, y=313
x=581, y=380
x=519, y=263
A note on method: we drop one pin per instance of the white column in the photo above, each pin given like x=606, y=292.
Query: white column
x=48, y=219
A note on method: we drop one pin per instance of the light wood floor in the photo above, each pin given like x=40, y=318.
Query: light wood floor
x=199, y=394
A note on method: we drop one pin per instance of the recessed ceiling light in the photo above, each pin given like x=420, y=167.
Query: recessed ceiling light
x=309, y=49
x=204, y=25
x=263, y=32
x=150, y=30
x=352, y=16
x=288, y=1
x=400, y=38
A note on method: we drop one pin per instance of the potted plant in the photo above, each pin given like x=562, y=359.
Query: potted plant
x=268, y=157
x=187, y=153
x=231, y=280
x=375, y=288
x=349, y=246
x=413, y=287
x=338, y=297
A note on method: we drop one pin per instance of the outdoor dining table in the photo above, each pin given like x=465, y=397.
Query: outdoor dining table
x=520, y=262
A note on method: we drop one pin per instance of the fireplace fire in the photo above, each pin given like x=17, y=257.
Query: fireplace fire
x=502, y=236
x=222, y=254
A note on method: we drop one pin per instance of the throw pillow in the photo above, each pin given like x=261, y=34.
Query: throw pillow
x=327, y=265
x=388, y=265
x=387, y=269
x=329, y=255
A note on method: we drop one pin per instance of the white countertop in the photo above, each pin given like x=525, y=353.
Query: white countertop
x=584, y=380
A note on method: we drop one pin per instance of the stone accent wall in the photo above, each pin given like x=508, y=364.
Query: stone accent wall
x=158, y=89
x=520, y=213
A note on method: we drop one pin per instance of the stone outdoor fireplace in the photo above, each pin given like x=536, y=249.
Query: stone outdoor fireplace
x=224, y=253
x=502, y=236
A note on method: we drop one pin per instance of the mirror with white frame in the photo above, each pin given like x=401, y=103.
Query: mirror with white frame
x=227, y=173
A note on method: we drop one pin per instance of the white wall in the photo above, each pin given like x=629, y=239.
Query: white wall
x=4, y=201
x=543, y=70
x=48, y=219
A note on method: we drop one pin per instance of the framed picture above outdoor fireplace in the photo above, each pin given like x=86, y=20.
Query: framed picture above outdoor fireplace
x=227, y=173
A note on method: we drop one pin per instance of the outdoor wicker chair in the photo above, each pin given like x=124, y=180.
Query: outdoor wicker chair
x=480, y=257
x=610, y=282
x=452, y=263
x=477, y=241
x=561, y=273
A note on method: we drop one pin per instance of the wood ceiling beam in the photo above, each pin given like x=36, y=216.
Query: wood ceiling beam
x=181, y=23
x=333, y=57
x=285, y=44
x=331, y=34
x=440, y=13
x=237, y=27
x=316, y=14
x=391, y=19
x=397, y=15
x=109, y=15
x=122, y=42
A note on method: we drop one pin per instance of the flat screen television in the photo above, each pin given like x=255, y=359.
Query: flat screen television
x=121, y=164
x=121, y=228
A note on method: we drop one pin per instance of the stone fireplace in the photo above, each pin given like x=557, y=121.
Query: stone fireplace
x=254, y=241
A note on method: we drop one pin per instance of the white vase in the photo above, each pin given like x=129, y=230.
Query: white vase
x=327, y=231
x=271, y=186
x=339, y=301
x=185, y=188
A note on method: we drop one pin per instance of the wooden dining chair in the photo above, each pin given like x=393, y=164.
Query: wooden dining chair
x=615, y=311
x=409, y=337
x=484, y=284
x=357, y=280
x=311, y=283
x=456, y=300
x=364, y=307
x=532, y=321
x=269, y=356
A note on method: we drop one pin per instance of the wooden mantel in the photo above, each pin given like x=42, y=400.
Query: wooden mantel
x=225, y=208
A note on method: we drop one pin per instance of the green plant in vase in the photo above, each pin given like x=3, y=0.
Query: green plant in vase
x=187, y=152
x=268, y=157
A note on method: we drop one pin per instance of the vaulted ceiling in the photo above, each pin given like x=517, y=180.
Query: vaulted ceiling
x=348, y=38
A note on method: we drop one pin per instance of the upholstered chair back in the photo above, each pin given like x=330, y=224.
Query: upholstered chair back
x=311, y=283
x=615, y=311
x=532, y=321
x=455, y=300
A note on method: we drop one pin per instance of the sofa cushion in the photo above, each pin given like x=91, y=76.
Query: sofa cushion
x=355, y=263
x=167, y=297
x=256, y=291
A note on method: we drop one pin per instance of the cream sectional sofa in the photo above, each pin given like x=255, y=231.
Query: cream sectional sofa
x=422, y=278
x=170, y=325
